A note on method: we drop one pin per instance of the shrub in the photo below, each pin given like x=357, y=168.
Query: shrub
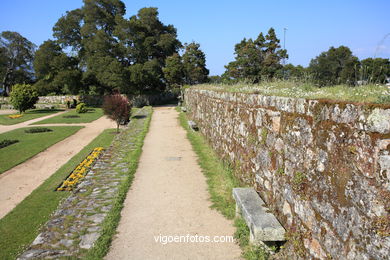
x=71, y=116
x=34, y=130
x=81, y=108
x=117, y=108
x=7, y=142
x=23, y=97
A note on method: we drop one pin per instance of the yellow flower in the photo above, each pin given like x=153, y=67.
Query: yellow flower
x=15, y=116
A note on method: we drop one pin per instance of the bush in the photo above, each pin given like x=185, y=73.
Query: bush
x=81, y=108
x=71, y=116
x=23, y=97
x=34, y=130
x=7, y=142
x=117, y=108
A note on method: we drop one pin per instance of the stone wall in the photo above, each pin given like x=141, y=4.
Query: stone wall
x=322, y=167
x=93, y=100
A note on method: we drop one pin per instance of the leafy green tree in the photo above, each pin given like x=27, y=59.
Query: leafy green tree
x=248, y=61
x=23, y=97
x=256, y=59
x=335, y=66
x=272, y=53
x=289, y=71
x=173, y=71
x=216, y=79
x=117, y=53
x=374, y=70
x=194, y=63
x=55, y=71
x=67, y=29
x=145, y=45
x=17, y=54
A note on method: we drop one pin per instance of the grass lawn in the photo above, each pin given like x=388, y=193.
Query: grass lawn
x=20, y=227
x=28, y=115
x=288, y=88
x=72, y=117
x=30, y=144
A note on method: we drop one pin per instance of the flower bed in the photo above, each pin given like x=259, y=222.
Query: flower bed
x=15, y=116
x=34, y=130
x=80, y=171
x=7, y=142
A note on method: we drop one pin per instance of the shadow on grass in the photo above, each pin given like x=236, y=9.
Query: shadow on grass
x=43, y=111
x=139, y=116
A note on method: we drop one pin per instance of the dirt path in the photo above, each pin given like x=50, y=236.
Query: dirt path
x=18, y=182
x=6, y=128
x=169, y=197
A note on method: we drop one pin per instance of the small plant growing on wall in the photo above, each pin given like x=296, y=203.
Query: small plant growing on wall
x=117, y=108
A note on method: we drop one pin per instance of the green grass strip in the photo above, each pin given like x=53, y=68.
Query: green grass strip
x=20, y=227
x=102, y=245
x=30, y=144
x=91, y=115
x=220, y=177
x=221, y=181
x=28, y=115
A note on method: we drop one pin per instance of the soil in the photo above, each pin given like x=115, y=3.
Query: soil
x=169, y=197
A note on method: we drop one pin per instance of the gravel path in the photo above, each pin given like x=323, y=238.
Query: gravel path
x=169, y=197
x=18, y=182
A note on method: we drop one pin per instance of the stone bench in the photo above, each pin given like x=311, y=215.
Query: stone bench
x=263, y=226
x=193, y=125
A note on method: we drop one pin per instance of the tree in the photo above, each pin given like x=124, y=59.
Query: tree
x=117, y=108
x=374, y=70
x=289, y=71
x=115, y=53
x=23, y=97
x=194, y=63
x=17, y=54
x=335, y=66
x=173, y=71
x=256, y=60
x=55, y=71
x=67, y=30
x=248, y=63
x=146, y=43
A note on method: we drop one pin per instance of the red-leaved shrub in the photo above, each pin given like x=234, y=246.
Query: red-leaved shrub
x=117, y=108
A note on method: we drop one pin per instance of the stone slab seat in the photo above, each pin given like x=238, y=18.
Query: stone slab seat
x=263, y=226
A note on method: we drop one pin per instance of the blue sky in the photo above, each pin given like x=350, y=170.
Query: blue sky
x=313, y=26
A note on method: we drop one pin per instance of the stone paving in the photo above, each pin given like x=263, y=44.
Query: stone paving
x=76, y=224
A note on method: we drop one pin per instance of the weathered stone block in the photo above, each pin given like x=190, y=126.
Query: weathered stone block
x=262, y=224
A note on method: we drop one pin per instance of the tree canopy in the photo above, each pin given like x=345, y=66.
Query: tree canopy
x=16, y=57
x=194, y=64
x=335, y=66
x=115, y=53
x=55, y=71
x=256, y=60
